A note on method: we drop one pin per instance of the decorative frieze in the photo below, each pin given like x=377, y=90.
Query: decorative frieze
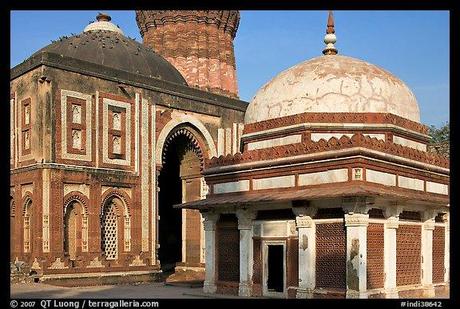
x=358, y=140
x=336, y=118
x=267, y=143
x=409, y=143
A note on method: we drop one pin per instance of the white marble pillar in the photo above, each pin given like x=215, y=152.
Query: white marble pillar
x=210, y=220
x=427, y=252
x=307, y=251
x=389, y=251
x=245, y=219
x=356, y=278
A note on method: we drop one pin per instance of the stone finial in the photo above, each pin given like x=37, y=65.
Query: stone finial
x=330, y=37
x=103, y=17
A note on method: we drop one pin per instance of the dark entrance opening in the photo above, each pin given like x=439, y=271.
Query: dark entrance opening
x=179, y=182
x=275, y=280
x=170, y=224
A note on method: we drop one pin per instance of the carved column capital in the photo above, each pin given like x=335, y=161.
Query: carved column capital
x=305, y=211
x=245, y=217
x=357, y=219
x=392, y=211
x=357, y=204
x=210, y=220
x=304, y=222
x=392, y=223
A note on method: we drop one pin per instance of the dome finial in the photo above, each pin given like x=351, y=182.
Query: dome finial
x=103, y=17
x=103, y=23
x=330, y=37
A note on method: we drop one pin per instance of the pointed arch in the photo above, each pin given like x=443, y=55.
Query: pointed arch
x=115, y=222
x=185, y=121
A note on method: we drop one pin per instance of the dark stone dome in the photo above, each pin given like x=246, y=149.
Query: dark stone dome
x=114, y=50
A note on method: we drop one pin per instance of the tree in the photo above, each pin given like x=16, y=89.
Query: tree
x=439, y=139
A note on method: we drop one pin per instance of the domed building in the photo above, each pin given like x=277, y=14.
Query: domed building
x=106, y=135
x=333, y=193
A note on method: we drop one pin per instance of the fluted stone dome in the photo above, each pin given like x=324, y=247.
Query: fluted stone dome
x=103, y=43
x=332, y=84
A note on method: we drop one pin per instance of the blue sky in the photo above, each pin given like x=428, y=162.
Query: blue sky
x=413, y=45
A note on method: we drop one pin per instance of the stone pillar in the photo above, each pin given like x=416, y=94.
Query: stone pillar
x=389, y=249
x=245, y=218
x=356, y=225
x=307, y=251
x=427, y=252
x=446, y=220
x=210, y=220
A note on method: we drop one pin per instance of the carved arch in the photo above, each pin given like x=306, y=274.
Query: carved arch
x=185, y=121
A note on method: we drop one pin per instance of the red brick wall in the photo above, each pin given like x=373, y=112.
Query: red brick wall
x=438, y=254
x=408, y=254
x=202, y=52
x=375, y=273
x=330, y=255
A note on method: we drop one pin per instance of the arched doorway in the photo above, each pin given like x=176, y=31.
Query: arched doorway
x=73, y=230
x=12, y=226
x=27, y=226
x=179, y=181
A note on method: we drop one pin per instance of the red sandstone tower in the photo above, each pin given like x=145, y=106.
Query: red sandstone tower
x=198, y=43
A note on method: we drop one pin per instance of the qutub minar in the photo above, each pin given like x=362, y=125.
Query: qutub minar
x=136, y=162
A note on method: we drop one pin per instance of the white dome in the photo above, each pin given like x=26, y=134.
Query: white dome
x=103, y=23
x=333, y=84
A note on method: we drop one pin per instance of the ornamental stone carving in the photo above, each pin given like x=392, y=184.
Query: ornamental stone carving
x=95, y=263
x=58, y=264
x=245, y=218
x=137, y=261
x=210, y=220
x=304, y=222
x=76, y=113
x=356, y=219
x=333, y=144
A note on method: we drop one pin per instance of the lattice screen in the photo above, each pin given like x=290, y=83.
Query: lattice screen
x=408, y=258
x=228, y=251
x=438, y=254
x=330, y=255
x=375, y=273
x=109, y=226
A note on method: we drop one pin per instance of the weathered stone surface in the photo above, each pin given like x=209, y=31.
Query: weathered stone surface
x=333, y=84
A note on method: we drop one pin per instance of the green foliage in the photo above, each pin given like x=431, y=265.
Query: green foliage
x=439, y=135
